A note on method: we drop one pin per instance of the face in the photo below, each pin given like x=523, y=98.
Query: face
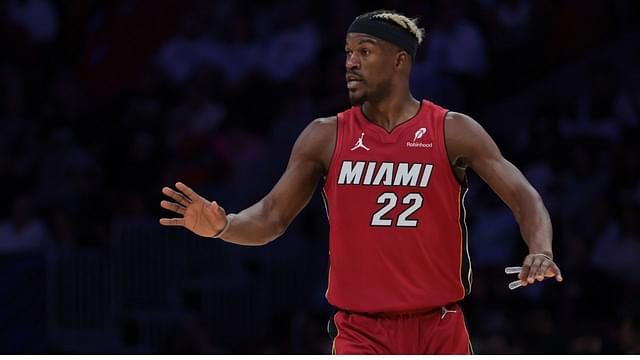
x=369, y=68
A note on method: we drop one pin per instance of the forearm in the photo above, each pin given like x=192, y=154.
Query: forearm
x=253, y=226
x=270, y=217
x=534, y=221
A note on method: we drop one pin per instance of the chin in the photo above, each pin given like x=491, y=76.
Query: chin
x=356, y=99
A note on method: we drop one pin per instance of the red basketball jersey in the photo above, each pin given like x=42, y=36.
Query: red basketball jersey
x=398, y=241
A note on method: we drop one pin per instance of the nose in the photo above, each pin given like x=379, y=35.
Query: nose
x=352, y=63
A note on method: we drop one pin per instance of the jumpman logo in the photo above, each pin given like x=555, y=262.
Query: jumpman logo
x=360, y=144
x=445, y=312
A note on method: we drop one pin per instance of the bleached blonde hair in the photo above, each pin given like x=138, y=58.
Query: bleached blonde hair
x=411, y=25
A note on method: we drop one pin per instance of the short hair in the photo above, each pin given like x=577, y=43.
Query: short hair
x=398, y=19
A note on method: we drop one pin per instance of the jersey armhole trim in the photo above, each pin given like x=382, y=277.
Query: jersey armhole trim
x=464, y=182
x=336, y=148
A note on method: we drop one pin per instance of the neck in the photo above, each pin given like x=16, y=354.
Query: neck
x=392, y=111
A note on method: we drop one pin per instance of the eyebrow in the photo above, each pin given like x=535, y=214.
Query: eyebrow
x=367, y=40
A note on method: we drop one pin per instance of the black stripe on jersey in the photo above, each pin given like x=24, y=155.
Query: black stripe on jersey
x=332, y=329
x=465, y=273
x=466, y=327
x=326, y=203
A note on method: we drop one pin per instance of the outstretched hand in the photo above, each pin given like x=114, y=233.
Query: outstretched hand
x=199, y=215
x=538, y=267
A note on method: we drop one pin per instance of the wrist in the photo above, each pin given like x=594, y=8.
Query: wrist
x=547, y=254
x=224, y=229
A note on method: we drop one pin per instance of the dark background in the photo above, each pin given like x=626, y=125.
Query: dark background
x=104, y=102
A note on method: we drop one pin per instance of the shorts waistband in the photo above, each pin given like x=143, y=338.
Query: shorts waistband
x=407, y=314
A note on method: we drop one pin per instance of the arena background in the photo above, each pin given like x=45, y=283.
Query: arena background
x=104, y=102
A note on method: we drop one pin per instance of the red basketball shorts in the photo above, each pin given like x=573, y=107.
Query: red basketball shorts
x=436, y=332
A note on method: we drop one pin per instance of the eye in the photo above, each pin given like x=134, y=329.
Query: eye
x=365, y=51
x=348, y=52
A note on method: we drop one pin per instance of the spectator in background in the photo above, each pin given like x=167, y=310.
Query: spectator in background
x=68, y=172
x=456, y=59
x=513, y=17
x=596, y=108
x=617, y=250
x=36, y=17
x=24, y=239
x=630, y=334
x=279, y=56
x=193, y=333
x=513, y=48
x=493, y=231
x=456, y=46
x=24, y=232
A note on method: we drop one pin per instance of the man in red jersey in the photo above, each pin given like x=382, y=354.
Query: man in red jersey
x=394, y=192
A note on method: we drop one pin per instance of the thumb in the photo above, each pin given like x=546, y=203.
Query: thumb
x=217, y=209
x=551, y=272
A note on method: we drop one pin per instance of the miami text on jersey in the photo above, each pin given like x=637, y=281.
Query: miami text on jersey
x=385, y=173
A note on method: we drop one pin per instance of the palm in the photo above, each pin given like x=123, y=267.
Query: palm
x=202, y=217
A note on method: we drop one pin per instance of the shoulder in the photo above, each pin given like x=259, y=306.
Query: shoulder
x=459, y=119
x=466, y=139
x=459, y=126
x=330, y=121
x=322, y=128
x=317, y=140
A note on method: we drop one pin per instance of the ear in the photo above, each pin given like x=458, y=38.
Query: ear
x=402, y=59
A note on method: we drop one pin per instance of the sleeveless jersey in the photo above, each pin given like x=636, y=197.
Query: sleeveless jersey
x=398, y=242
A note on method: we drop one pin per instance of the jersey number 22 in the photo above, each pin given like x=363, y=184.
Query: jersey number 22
x=390, y=200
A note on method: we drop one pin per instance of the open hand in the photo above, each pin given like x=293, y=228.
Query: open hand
x=199, y=215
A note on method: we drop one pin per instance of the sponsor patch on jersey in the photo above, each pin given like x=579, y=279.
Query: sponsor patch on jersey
x=418, y=135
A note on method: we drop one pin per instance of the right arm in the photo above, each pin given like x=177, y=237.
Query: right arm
x=268, y=218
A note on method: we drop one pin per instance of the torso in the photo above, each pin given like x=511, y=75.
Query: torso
x=397, y=241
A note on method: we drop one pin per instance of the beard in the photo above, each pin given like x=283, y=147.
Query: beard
x=357, y=98
x=372, y=95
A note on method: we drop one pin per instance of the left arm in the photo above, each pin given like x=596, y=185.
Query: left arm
x=469, y=145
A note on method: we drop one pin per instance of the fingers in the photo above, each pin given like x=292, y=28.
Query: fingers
x=180, y=198
x=526, y=266
x=548, y=269
x=544, y=265
x=173, y=207
x=172, y=222
x=554, y=270
x=533, y=270
x=538, y=268
x=186, y=190
x=530, y=268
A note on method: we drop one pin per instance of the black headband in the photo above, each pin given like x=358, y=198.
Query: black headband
x=385, y=31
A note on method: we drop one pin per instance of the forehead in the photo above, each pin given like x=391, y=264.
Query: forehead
x=354, y=39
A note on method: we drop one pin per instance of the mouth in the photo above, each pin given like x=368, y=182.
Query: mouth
x=353, y=81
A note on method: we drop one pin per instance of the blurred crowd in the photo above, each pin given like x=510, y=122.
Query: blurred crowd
x=104, y=102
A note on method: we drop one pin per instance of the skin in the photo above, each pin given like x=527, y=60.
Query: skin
x=377, y=75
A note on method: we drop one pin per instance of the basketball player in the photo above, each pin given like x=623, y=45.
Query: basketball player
x=394, y=191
